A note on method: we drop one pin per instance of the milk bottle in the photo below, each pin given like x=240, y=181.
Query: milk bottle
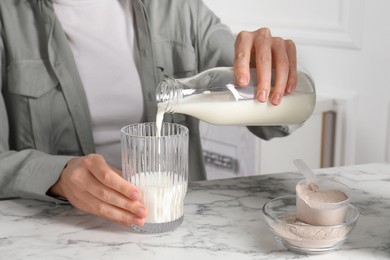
x=213, y=97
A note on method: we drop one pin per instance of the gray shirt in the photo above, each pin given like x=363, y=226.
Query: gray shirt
x=44, y=113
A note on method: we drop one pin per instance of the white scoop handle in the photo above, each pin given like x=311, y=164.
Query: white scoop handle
x=306, y=171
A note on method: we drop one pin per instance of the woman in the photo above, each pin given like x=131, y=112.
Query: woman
x=73, y=72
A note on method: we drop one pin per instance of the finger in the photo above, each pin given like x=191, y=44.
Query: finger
x=281, y=65
x=91, y=204
x=263, y=43
x=110, y=196
x=292, y=57
x=103, y=172
x=116, y=170
x=86, y=181
x=242, y=54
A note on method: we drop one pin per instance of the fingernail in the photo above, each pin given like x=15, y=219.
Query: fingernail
x=139, y=222
x=140, y=211
x=289, y=89
x=134, y=195
x=276, y=98
x=262, y=96
x=242, y=80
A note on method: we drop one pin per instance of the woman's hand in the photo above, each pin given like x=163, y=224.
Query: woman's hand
x=91, y=185
x=259, y=49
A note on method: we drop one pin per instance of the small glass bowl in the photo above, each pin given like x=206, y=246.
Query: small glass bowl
x=280, y=216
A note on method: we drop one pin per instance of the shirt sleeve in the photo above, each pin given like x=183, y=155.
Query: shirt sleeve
x=3, y=115
x=215, y=42
x=28, y=173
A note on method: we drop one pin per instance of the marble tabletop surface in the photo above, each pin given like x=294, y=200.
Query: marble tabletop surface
x=223, y=220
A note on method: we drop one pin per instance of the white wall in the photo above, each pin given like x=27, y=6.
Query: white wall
x=345, y=44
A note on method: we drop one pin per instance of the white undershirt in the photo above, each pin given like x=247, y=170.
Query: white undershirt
x=101, y=36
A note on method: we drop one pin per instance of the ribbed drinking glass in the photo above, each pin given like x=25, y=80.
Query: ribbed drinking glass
x=157, y=163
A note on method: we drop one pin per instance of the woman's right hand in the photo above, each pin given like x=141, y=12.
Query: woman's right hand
x=93, y=186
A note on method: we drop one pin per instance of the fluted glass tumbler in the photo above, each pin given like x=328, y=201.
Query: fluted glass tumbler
x=158, y=165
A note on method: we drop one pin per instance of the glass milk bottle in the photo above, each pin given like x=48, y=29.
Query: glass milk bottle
x=212, y=96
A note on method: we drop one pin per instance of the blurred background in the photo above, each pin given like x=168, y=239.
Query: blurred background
x=345, y=45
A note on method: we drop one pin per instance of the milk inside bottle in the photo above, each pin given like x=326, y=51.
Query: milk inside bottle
x=212, y=96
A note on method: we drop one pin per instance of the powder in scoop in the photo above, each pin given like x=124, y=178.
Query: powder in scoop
x=320, y=207
x=314, y=196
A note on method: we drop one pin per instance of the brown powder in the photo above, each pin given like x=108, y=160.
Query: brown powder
x=320, y=207
x=304, y=235
x=315, y=196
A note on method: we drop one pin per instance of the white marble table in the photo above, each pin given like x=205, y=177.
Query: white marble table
x=222, y=221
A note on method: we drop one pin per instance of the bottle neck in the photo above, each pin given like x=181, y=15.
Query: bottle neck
x=168, y=94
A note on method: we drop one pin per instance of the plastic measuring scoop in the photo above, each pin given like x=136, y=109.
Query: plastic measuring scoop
x=306, y=171
x=312, y=211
